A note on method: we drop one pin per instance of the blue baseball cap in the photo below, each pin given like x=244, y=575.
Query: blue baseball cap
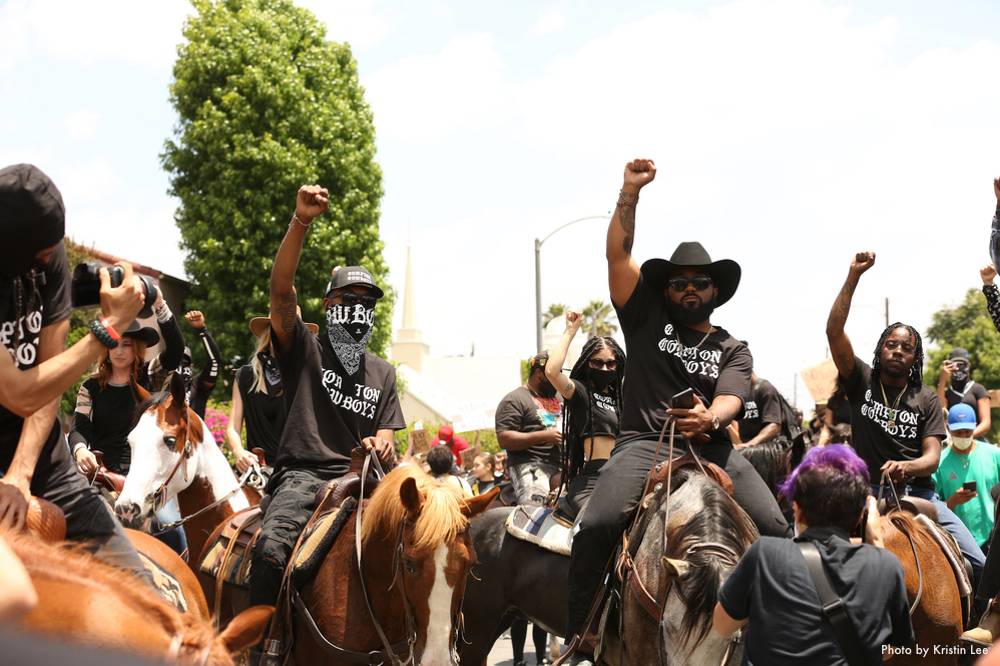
x=961, y=417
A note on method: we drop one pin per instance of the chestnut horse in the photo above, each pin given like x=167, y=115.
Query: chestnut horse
x=937, y=616
x=175, y=454
x=83, y=600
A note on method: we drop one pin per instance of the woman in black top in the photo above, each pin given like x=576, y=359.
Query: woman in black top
x=258, y=401
x=591, y=408
x=482, y=476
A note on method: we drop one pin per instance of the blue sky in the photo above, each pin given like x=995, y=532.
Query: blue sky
x=788, y=133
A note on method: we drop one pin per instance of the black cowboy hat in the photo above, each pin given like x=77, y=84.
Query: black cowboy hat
x=143, y=334
x=725, y=272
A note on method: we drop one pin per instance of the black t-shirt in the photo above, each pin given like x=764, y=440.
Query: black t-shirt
x=45, y=298
x=763, y=407
x=328, y=411
x=522, y=411
x=586, y=402
x=103, y=419
x=263, y=414
x=876, y=435
x=772, y=588
x=970, y=394
x=665, y=359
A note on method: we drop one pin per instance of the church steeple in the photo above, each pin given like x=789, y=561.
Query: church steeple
x=409, y=347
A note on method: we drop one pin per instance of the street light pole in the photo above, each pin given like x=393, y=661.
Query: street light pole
x=538, y=273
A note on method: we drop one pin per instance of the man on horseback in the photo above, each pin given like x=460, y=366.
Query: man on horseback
x=34, y=320
x=664, y=309
x=338, y=395
x=896, y=421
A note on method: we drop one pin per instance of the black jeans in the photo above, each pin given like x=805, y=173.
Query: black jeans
x=292, y=501
x=617, y=494
x=88, y=518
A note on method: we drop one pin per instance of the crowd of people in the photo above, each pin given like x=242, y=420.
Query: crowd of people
x=582, y=441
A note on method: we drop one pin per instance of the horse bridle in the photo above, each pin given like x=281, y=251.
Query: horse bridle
x=174, y=652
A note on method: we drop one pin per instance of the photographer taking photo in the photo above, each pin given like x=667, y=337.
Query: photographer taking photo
x=34, y=319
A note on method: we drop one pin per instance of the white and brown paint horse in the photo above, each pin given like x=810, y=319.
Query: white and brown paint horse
x=175, y=455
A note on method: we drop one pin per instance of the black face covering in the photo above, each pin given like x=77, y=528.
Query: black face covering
x=272, y=375
x=601, y=379
x=31, y=218
x=959, y=376
x=349, y=327
x=690, y=316
x=546, y=389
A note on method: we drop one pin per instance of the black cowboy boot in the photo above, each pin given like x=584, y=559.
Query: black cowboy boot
x=989, y=626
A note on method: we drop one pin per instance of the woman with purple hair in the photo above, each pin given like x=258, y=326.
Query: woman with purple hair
x=772, y=591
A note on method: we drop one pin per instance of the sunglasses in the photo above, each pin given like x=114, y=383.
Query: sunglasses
x=597, y=364
x=681, y=283
x=350, y=298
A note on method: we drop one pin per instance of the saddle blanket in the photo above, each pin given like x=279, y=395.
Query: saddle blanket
x=166, y=585
x=540, y=526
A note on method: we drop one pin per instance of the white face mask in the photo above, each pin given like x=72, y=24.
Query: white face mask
x=961, y=443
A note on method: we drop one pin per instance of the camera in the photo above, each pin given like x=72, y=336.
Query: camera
x=86, y=286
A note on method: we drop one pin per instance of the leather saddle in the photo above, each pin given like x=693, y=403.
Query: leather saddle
x=913, y=505
x=45, y=520
x=659, y=473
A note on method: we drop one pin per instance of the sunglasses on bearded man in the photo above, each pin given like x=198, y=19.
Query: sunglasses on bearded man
x=701, y=283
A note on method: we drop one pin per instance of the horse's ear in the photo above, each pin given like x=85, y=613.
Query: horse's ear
x=410, y=496
x=177, y=391
x=675, y=568
x=474, y=506
x=246, y=629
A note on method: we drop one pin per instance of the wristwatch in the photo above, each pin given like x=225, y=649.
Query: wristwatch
x=715, y=421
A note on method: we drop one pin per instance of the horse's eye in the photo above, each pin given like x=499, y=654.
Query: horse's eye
x=410, y=565
x=171, y=442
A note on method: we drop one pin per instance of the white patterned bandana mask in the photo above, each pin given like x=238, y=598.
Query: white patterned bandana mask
x=349, y=327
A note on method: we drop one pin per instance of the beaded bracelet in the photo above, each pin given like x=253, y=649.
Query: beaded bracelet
x=115, y=335
x=102, y=335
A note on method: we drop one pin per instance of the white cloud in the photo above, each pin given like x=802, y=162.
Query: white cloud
x=550, y=21
x=420, y=99
x=81, y=124
x=788, y=134
x=357, y=22
x=143, y=33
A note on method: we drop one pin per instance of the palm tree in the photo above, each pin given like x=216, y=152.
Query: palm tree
x=599, y=319
x=555, y=310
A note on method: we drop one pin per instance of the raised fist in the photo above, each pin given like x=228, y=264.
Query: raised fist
x=638, y=173
x=196, y=319
x=988, y=272
x=862, y=262
x=311, y=202
x=573, y=320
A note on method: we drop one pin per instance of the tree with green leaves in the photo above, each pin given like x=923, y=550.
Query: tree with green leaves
x=967, y=325
x=555, y=310
x=599, y=319
x=265, y=105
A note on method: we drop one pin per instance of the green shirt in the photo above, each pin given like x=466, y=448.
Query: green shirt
x=982, y=465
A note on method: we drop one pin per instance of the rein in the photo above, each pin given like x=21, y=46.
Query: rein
x=253, y=470
x=909, y=537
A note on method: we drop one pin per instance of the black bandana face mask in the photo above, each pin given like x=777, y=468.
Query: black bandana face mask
x=272, y=375
x=960, y=374
x=601, y=378
x=349, y=328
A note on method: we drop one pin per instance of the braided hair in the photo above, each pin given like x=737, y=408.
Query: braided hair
x=573, y=423
x=916, y=376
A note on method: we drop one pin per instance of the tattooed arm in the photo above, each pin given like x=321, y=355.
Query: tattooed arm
x=311, y=202
x=623, y=271
x=840, y=344
x=989, y=273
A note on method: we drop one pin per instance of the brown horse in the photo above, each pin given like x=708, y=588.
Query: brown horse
x=416, y=556
x=81, y=599
x=175, y=455
x=937, y=617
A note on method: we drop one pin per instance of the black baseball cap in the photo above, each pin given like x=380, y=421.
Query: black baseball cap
x=32, y=216
x=347, y=276
x=538, y=361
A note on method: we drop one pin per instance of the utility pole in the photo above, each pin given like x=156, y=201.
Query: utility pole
x=887, y=312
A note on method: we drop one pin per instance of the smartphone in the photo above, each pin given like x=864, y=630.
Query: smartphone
x=683, y=400
x=970, y=486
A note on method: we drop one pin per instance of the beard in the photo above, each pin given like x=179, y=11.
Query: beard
x=688, y=315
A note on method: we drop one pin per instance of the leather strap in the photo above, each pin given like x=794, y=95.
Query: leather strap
x=373, y=657
x=833, y=606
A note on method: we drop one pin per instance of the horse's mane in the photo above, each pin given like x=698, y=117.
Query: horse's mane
x=771, y=460
x=440, y=518
x=721, y=521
